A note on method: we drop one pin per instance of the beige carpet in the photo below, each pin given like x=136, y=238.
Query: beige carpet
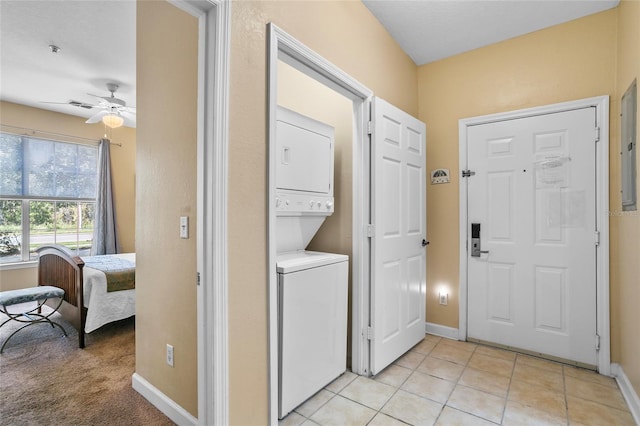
x=45, y=379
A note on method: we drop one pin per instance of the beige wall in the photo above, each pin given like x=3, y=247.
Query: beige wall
x=13, y=279
x=570, y=61
x=346, y=34
x=566, y=62
x=122, y=167
x=592, y=56
x=167, y=49
x=625, y=227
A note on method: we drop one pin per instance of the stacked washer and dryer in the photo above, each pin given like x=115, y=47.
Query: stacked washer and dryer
x=312, y=286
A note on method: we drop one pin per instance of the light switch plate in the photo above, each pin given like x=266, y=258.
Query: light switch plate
x=184, y=226
x=439, y=176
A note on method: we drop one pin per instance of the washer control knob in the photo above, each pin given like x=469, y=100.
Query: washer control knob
x=278, y=202
x=287, y=202
x=329, y=204
x=319, y=204
x=311, y=204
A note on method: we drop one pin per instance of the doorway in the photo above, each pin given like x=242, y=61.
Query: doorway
x=285, y=53
x=284, y=49
x=214, y=22
x=534, y=231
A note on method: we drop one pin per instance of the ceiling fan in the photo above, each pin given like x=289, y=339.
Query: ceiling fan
x=114, y=112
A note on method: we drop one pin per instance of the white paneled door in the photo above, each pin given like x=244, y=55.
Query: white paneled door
x=532, y=234
x=398, y=245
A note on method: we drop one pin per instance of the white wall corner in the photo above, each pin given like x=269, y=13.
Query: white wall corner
x=629, y=393
x=441, y=330
x=162, y=402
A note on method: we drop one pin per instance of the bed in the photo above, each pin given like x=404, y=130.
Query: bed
x=88, y=305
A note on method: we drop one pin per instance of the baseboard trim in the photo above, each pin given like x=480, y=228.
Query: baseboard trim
x=628, y=391
x=162, y=402
x=441, y=330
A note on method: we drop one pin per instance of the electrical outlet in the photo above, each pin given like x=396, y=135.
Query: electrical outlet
x=444, y=299
x=169, y=355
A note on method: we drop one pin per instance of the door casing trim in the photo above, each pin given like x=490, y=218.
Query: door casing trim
x=214, y=49
x=283, y=46
x=601, y=104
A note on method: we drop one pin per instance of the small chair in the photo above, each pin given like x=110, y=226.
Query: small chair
x=38, y=294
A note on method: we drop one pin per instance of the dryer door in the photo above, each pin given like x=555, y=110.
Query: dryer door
x=305, y=154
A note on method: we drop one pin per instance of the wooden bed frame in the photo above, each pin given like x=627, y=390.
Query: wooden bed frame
x=60, y=267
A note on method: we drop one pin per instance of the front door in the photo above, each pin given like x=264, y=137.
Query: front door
x=531, y=257
x=398, y=282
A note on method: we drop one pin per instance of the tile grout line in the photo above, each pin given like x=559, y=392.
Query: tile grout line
x=566, y=399
x=477, y=345
x=400, y=385
x=327, y=401
x=398, y=388
x=506, y=398
x=444, y=404
x=518, y=359
x=457, y=382
x=466, y=365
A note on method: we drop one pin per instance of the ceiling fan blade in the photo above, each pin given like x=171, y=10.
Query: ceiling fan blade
x=103, y=102
x=54, y=103
x=106, y=98
x=127, y=114
x=96, y=117
x=82, y=104
x=72, y=103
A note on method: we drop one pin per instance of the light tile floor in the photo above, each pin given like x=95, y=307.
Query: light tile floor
x=446, y=382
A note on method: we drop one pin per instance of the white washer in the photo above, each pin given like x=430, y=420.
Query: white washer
x=312, y=323
x=312, y=286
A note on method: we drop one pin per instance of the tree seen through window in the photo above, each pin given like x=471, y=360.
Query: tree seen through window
x=47, y=195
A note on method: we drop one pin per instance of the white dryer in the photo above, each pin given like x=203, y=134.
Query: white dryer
x=312, y=286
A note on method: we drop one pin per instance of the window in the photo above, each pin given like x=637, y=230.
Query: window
x=47, y=195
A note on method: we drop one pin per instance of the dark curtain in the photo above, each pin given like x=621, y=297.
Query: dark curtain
x=105, y=240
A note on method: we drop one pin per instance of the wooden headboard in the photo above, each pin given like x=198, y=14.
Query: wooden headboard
x=60, y=267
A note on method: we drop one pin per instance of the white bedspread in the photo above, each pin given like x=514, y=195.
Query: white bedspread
x=104, y=307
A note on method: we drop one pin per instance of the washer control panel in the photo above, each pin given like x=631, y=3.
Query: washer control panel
x=290, y=203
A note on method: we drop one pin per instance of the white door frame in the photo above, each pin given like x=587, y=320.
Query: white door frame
x=284, y=47
x=601, y=105
x=214, y=26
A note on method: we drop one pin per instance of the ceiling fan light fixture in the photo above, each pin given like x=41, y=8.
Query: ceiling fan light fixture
x=112, y=120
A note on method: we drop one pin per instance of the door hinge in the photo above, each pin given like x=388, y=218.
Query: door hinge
x=597, y=342
x=369, y=127
x=369, y=333
x=371, y=230
x=597, y=238
x=468, y=173
x=597, y=134
x=198, y=278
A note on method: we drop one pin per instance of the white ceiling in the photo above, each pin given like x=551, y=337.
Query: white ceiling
x=429, y=30
x=97, y=40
